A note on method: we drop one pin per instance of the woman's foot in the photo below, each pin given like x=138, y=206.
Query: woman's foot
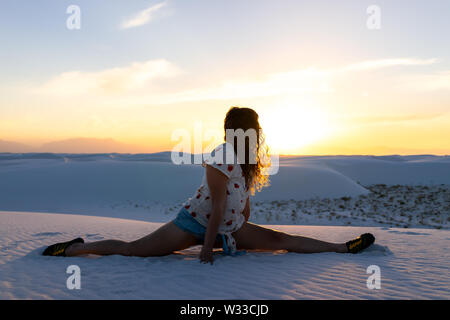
x=59, y=249
x=360, y=243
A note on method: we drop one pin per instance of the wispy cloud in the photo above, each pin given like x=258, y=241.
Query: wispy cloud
x=143, y=17
x=385, y=63
x=398, y=118
x=109, y=81
x=427, y=82
x=135, y=83
x=311, y=79
x=292, y=82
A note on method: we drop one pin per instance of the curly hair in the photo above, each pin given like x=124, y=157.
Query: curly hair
x=257, y=158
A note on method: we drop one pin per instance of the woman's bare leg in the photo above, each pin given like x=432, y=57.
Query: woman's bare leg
x=163, y=241
x=253, y=237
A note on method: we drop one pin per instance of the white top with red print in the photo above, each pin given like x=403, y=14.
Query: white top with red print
x=200, y=205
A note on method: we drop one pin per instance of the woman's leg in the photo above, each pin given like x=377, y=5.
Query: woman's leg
x=163, y=241
x=253, y=237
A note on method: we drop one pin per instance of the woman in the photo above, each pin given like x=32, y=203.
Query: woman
x=217, y=215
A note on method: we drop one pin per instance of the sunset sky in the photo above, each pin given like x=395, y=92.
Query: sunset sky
x=320, y=79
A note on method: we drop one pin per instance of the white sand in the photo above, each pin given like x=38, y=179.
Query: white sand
x=332, y=198
x=414, y=264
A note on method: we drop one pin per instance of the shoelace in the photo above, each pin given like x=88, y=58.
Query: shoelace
x=357, y=242
x=59, y=249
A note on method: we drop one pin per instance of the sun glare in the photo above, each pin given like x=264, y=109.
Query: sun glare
x=290, y=127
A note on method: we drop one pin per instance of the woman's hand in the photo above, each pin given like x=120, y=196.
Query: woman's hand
x=206, y=255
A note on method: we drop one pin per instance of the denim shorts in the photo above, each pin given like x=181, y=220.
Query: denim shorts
x=187, y=223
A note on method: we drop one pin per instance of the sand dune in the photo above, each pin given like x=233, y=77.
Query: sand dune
x=410, y=267
x=333, y=198
x=74, y=183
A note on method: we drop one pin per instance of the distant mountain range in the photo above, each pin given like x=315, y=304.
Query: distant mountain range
x=75, y=145
x=8, y=146
x=94, y=145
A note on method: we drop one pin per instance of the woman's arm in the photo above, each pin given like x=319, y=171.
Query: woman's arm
x=217, y=183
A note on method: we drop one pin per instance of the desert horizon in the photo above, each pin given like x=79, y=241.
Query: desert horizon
x=110, y=145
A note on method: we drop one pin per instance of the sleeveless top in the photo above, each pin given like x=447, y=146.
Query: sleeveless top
x=200, y=205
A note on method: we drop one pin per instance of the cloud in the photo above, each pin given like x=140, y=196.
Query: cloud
x=292, y=82
x=427, y=82
x=133, y=83
x=384, y=63
x=110, y=81
x=143, y=17
x=311, y=79
x=398, y=118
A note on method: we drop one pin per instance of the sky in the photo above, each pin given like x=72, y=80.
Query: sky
x=326, y=77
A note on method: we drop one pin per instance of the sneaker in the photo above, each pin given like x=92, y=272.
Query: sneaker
x=360, y=243
x=59, y=249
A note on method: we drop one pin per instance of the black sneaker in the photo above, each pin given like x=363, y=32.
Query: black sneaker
x=59, y=249
x=360, y=243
